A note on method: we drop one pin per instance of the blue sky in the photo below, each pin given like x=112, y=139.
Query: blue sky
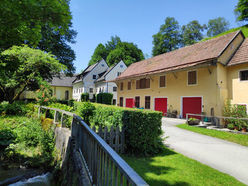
x=136, y=20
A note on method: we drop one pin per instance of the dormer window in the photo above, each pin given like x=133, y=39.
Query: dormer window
x=94, y=77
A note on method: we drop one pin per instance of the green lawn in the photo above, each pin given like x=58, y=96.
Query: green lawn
x=171, y=168
x=236, y=138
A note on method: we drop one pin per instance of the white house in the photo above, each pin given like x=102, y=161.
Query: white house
x=103, y=83
x=85, y=81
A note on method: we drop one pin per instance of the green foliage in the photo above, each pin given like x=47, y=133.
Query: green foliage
x=99, y=53
x=115, y=50
x=168, y=38
x=244, y=29
x=104, y=98
x=22, y=68
x=217, y=26
x=236, y=111
x=7, y=136
x=44, y=25
x=84, y=97
x=192, y=32
x=86, y=110
x=242, y=10
x=142, y=127
x=44, y=93
x=16, y=108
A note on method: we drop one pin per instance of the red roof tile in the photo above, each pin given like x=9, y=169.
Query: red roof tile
x=241, y=56
x=181, y=58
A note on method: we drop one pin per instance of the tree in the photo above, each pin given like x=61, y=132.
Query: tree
x=168, y=38
x=38, y=24
x=242, y=10
x=217, y=26
x=116, y=50
x=99, y=53
x=23, y=68
x=192, y=33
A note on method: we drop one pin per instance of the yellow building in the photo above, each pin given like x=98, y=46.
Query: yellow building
x=61, y=88
x=194, y=79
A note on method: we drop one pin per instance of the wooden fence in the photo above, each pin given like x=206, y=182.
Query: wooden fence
x=103, y=165
x=113, y=137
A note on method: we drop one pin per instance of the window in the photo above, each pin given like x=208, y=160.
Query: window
x=94, y=76
x=67, y=95
x=102, y=65
x=129, y=85
x=143, y=83
x=121, y=86
x=162, y=81
x=91, y=90
x=114, y=89
x=114, y=101
x=147, y=102
x=118, y=73
x=192, y=78
x=243, y=75
x=121, y=101
x=121, y=66
x=137, y=102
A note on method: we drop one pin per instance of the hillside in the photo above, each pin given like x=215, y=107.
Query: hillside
x=243, y=28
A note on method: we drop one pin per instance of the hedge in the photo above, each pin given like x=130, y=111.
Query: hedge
x=142, y=127
x=84, y=97
x=104, y=98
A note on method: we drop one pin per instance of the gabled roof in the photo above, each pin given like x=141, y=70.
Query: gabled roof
x=181, y=58
x=62, y=81
x=85, y=72
x=102, y=78
x=241, y=56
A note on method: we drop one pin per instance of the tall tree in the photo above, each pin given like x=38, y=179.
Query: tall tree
x=217, y=26
x=168, y=38
x=32, y=21
x=99, y=53
x=192, y=32
x=24, y=68
x=242, y=10
x=128, y=52
x=116, y=50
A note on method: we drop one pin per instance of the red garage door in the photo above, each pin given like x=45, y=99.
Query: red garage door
x=192, y=105
x=161, y=105
x=130, y=102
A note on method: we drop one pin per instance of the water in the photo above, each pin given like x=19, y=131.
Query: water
x=41, y=180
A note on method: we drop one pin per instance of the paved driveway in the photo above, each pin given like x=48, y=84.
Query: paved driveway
x=224, y=156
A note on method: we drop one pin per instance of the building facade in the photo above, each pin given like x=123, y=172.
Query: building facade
x=194, y=79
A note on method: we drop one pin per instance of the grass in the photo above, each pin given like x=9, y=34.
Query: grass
x=243, y=28
x=236, y=138
x=171, y=168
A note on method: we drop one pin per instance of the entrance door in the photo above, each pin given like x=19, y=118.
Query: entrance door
x=161, y=105
x=129, y=102
x=192, y=105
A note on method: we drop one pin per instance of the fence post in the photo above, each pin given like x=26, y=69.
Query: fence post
x=62, y=120
x=39, y=109
x=117, y=145
x=55, y=116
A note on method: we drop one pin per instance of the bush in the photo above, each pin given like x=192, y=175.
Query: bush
x=104, y=98
x=236, y=111
x=84, y=97
x=7, y=136
x=142, y=128
x=86, y=110
x=16, y=108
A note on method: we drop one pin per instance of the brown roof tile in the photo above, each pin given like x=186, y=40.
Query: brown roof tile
x=181, y=58
x=241, y=56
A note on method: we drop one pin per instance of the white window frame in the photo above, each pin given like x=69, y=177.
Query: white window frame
x=165, y=81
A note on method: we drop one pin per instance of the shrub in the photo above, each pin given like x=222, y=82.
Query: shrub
x=86, y=110
x=142, y=128
x=16, y=108
x=84, y=97
x=7, y=136
x=104, y=98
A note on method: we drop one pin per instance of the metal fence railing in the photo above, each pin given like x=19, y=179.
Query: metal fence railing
x=104, y=166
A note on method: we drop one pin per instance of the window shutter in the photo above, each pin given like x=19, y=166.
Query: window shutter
x=192, y=78
x=129, y=85
x=137, y=84
x=147, y=83
x=162, y=81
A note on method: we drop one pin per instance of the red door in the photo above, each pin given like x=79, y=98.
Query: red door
x=161, y=105
x=130, y=102
x=192, y=105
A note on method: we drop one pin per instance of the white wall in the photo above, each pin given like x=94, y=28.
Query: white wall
x=77, y=90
